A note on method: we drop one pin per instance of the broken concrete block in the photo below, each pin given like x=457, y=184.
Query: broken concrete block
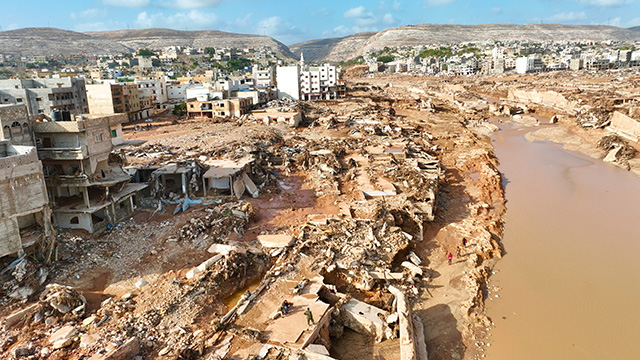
x=318, y=349
x=90, y=320
x=141, y=283
x=413, y=269
x=129, y=349
x=17, y=316
x=414, y=258
x=204, y=266
x=62, y=343
x=407, y=338
x=88, y=339
x=65, y=332
x=386, y=275
x=225, y=249
x=612, y=156
x=364, y=318
x=317, y=219
x=275, y=241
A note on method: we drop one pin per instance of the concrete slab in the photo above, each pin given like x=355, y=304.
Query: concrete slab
x=293, y=327
x=275, y=241
x=364, y=318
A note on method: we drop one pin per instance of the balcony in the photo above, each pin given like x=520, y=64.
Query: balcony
x=74, y=153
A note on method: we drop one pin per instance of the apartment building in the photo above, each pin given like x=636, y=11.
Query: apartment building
x=319, y=82
x=219, y=108
x=154, y=87
x=264, y=78
x=43, y=95
x=118, y=98
x=529, y=65
x=86, y=185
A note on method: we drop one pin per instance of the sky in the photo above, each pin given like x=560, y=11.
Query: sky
x=296, y=21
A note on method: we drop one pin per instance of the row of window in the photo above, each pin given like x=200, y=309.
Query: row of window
x=16, y=132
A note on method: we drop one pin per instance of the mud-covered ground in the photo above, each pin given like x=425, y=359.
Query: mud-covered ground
x=174, y=317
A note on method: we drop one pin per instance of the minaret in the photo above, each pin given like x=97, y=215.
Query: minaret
x=302, y=59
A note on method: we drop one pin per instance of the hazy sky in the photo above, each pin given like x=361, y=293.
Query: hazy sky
x=294, y=21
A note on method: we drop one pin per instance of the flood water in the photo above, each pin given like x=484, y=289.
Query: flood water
x=570, y=279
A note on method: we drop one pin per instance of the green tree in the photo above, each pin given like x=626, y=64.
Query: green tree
x=385, y=58
x=180, y=109
x=145, y=52
x=210, y=51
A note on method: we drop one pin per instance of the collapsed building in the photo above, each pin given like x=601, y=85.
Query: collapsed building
x=25, y=215
x=86, y=184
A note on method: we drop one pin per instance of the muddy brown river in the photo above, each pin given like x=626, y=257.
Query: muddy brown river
x=570, y=279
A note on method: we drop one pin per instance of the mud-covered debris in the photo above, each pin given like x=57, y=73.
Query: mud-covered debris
x=64, y=299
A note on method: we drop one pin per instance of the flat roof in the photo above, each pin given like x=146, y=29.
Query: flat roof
x=225, y=168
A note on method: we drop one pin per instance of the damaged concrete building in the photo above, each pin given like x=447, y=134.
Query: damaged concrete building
x=16, y=126
x=87, y=187
x=24, y=213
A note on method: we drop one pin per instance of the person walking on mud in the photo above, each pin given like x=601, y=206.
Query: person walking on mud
x=450, y=257
x=458, y=252
x=309, y=316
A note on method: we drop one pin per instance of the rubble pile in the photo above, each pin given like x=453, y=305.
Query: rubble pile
x=217, y=224
x=618, y=147
x=595, y=118
x=20, y=279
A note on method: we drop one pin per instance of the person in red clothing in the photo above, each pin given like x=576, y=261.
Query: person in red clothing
x=450, y=257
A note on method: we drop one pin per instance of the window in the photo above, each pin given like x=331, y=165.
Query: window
x=114, y=133
x=38, y=99
x=98, y=137
x=6, y=132
x=19, y=100
x=74, y=220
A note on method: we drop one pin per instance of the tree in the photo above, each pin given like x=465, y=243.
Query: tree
x=385, y=58
x=210, y=51
x=180, y=109
x=145, y=52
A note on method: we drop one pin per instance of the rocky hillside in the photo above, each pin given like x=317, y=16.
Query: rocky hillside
x=635, y=28
x=50, y=41
x=361, y=44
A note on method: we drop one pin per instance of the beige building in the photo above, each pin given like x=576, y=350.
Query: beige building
x=118, y=98
x=219, y=108
x=272, y=116
x=86, y=185
x=24, y=214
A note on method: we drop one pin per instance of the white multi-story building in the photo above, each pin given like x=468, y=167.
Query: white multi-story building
x=288, y=81
x=264, y=78
x=156, y=88
x=177, y=93
x=318, y=82
x=528, y=65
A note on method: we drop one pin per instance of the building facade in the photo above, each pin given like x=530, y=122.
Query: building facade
x=24, y=212
x=43, y=95
x=86, y=185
